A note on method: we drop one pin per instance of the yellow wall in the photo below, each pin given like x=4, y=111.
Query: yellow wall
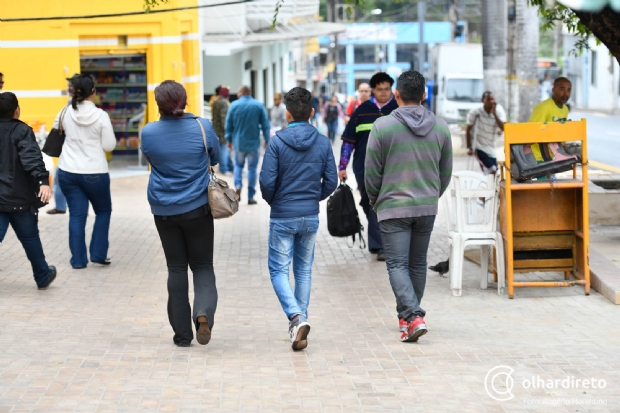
x=36, y=57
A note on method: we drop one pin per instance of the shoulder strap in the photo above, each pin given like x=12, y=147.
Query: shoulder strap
x=204, y=139
x=62, y=116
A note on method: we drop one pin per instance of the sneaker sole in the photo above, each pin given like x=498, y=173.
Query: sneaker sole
x=416, y=335
x=301, y=340
x=203, y=335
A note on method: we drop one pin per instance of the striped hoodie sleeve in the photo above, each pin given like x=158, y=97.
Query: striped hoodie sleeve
x=373, y=163
x=445, y=164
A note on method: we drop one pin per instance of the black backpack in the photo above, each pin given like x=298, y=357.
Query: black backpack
x=342, y=217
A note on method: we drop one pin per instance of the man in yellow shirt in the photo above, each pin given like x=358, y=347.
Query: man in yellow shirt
x=553, y=109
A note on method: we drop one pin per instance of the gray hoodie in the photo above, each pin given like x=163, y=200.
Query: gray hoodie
x=408, y=163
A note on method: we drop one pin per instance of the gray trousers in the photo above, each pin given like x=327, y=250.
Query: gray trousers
x=405, y=244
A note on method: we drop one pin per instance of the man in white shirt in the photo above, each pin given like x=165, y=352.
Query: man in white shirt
x=278, y=114
x=486, y=124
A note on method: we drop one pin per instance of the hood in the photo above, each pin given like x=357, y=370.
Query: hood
x=417, y=118
x=299, y=136
x=86, y=114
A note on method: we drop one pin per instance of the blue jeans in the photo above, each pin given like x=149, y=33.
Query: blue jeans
x=252, y=158
x=292, y=239
x=226, y=163
x=405, y=244
x=26, y=227
x=80, y=189
x=332, y=126
x=59, y=197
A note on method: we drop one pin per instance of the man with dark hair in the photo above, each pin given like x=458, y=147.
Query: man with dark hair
x=486, y=123
x=408, y=167
x=355, y=138
x=298, y=171
x=245, y=119
x=24, y=187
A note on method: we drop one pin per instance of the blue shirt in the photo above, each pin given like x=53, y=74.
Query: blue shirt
x=246, y=117
x=176, y=151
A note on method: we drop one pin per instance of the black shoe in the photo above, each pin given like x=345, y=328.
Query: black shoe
x=183, y=344
x=107, y=261
x=50, y=278
x=56, y=211
x=380, y=255
x=252, y=202
x=78, y=268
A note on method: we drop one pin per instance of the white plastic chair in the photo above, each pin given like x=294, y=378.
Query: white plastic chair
x=470, y=223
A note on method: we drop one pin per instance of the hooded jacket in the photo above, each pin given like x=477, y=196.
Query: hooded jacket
x=22, y=170
x=298, y=171
x=89, y=134
x=408, y=163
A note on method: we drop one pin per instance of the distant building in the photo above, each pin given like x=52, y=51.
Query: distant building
x=595, y=76
x=240, y=48
x=366, y=48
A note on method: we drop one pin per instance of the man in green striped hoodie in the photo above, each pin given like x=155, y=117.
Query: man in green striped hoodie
x=408, y=167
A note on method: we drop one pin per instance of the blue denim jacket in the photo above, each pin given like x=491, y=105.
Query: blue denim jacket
x=244, y=121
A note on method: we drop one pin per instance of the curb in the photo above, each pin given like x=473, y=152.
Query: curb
x=604, y=276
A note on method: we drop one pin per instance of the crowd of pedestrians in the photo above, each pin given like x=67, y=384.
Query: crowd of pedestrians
x=402, y=160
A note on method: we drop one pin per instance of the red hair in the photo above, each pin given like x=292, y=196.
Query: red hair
x=171, y=98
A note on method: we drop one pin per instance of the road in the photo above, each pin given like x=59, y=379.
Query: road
x=603, y=137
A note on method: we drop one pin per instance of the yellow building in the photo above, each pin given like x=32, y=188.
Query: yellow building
x=129, y=55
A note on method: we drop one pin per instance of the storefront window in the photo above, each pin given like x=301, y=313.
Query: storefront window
x=365, y=53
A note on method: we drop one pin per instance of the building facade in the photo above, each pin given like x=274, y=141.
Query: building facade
x=128, y=54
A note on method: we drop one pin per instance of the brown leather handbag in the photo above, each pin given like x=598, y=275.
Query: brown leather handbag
x=223, y=200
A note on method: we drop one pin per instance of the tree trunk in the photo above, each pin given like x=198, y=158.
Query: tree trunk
x=526, y=58
x=494, y=45
x=606, y=26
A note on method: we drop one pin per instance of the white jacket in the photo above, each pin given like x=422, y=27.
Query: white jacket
x=88, y=133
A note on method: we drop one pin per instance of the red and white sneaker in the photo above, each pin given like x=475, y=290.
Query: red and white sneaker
x=415, y=330
x=402, y=325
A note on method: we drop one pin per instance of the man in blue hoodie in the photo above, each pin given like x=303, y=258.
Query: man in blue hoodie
x=298, y=171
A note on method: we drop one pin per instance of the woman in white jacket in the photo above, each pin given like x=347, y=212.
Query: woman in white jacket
x=83, y=172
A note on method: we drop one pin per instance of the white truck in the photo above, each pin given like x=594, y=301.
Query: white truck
x=457, y=79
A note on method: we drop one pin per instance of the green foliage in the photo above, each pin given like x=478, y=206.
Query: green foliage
x=555, y=13
x=152, y=3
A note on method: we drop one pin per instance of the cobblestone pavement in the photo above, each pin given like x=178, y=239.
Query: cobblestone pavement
x=98, y=340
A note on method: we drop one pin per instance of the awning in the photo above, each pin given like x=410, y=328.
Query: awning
x=282, y=33
x=591, y=5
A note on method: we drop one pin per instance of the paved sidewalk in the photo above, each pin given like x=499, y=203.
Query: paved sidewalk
x=99, y=340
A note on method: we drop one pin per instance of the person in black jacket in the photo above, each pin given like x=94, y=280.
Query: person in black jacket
x=354, y=141
x=24, y=187
x=298, y=172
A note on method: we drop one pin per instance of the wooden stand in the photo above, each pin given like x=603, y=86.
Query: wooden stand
x=544, y=224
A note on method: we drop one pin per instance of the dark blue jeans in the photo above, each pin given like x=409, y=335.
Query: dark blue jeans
x=26, y=227
x=405, y=244
x=332, y=126
x=374, y=233
x=80, y=189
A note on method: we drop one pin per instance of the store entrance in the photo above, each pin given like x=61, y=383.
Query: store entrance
x=122, y=92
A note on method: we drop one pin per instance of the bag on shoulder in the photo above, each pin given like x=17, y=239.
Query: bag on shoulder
x=342, y=217
x=223, y=200
x=56, y=138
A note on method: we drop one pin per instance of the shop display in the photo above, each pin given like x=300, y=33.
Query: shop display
x=122, y=93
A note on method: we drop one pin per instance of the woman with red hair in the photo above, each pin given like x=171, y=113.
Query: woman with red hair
x=177, y=193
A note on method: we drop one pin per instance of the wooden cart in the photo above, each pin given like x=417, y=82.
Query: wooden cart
x=544, y=224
